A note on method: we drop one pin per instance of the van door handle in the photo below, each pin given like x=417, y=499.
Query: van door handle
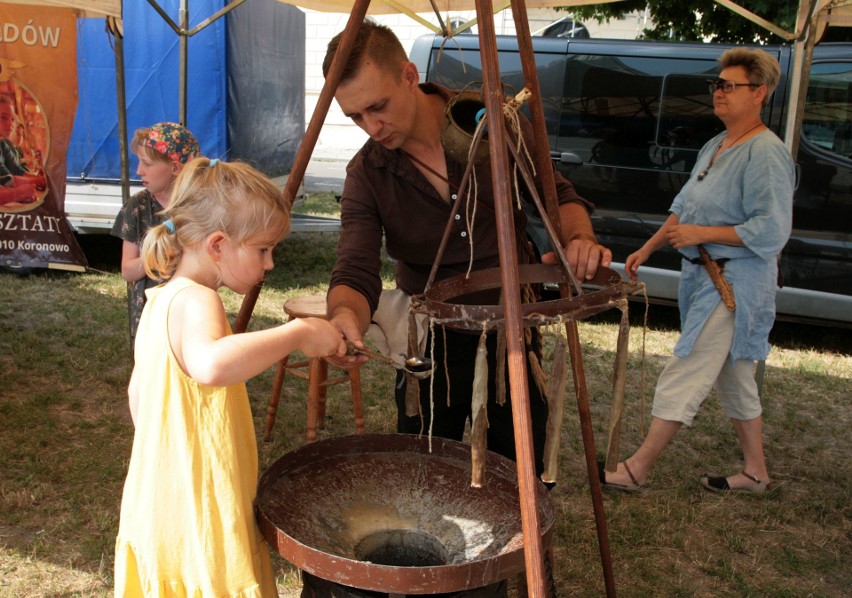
x=570, y=158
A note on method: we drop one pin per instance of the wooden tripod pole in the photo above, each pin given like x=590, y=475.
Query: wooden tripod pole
x=545, y=171
x=306, y=148
x=508, y=251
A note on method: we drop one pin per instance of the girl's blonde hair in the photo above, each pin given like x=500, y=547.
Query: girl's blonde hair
x=210, y=196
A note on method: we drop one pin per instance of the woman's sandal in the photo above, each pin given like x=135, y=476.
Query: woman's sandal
x=633, y=487
x=721, y=484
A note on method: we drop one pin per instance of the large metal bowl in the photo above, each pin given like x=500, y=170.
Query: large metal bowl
x=383, y=512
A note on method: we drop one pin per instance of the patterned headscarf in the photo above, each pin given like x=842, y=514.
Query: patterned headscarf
x=174, y=141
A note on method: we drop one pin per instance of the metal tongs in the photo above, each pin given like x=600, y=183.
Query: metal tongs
x=414, y=365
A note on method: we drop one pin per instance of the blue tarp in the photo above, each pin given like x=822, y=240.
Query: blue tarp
x=152, y=71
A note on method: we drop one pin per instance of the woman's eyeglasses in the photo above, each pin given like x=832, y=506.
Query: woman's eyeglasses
x=727, y=86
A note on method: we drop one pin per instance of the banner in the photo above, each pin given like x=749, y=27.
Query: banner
x=38, y=99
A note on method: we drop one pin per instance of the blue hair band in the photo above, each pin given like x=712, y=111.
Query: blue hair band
x=170, y=226
x=479, y=115
x=214, y=162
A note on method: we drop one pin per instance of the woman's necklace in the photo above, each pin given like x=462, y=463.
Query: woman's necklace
x=704, y=172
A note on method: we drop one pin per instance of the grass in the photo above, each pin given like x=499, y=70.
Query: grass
x=65, y=438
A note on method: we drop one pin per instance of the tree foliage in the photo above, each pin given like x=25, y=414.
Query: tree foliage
x=699, y=20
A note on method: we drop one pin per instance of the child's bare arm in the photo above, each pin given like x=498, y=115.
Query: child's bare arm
x=198, y=331
x=133, y=395
x=132, y=268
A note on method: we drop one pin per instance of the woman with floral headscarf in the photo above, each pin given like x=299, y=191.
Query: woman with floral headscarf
x=163, y=150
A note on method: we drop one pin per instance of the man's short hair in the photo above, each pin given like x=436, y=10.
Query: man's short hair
x=373, y=41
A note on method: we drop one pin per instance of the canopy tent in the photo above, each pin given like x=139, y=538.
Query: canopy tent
x=86, y=8
x=151, y=84
x=810, y=17
x=413, y=8
x=238, y=80
x=814, y=17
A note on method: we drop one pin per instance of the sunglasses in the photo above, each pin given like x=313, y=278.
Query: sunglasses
x=727, y=86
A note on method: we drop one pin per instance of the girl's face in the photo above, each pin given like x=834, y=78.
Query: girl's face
x=243, y=265
x=157, y=175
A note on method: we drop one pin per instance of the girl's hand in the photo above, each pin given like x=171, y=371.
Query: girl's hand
x=318, y=337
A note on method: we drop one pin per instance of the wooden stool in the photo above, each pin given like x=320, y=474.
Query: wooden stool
x=316, y=375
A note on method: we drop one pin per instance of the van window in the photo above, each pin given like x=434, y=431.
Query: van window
x=686, y=122
x=462, y=69
x=630, y=113
x=828, y=112
x=637, y=123
x=824, y=201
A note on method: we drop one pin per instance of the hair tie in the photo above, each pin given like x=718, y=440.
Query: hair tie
x=170, y=226
x=214, y=162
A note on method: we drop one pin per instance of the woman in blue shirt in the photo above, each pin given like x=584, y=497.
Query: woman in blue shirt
x=737, y=206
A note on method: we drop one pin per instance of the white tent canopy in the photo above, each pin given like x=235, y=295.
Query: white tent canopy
x=384, y=7
x=88, y=8
x=834, y=12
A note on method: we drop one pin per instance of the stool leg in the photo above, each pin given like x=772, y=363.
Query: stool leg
x=323, y=393
x=357, y=404
x=314, y=389
x=272, y=410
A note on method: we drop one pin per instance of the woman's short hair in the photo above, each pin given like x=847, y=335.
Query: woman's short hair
x=761, y=68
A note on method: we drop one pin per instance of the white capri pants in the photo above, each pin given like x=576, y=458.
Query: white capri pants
x=686, y=381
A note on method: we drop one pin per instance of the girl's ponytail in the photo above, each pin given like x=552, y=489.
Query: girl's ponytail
x=161, y=251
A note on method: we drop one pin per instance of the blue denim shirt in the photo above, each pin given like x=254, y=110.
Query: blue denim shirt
x=749, y=187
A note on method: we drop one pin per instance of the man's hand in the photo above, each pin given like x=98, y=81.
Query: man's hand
x=585, y=255
x=346, y=321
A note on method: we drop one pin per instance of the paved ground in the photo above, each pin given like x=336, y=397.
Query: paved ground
x=323, y=174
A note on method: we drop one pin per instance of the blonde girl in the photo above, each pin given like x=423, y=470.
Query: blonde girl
x=187, y=524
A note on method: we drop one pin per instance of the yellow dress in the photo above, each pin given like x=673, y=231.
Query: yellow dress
x=187, y=523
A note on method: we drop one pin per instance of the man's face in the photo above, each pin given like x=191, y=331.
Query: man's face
x=7, y=120
x=381, y=103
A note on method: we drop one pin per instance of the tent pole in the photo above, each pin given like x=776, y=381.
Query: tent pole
x=492, y=93
x=183, y=22
x=803, y=50
x=548, y=180
x=121, y=99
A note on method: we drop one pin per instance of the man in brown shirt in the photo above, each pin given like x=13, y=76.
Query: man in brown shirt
x=401, y=186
